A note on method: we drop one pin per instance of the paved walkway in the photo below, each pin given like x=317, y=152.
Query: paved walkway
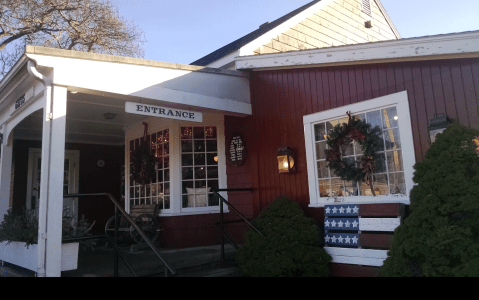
x=99, y=263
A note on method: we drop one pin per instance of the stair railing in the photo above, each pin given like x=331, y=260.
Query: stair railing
x=222, y=222
x=118, y=253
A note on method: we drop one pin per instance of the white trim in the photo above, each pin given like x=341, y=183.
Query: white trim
x=365, y=257
x=456, y=45
x=400, y=100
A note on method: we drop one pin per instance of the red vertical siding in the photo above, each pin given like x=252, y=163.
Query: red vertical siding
x=281, y=98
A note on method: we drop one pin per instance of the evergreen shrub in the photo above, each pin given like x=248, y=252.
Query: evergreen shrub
x=290, y=246
x=441, y=235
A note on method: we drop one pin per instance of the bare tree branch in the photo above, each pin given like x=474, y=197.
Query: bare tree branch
x=82, y=25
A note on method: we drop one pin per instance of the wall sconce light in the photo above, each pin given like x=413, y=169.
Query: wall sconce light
x=109, y=116
x=286, y=162
x=437, y=125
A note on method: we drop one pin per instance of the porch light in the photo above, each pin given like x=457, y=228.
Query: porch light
x=286, y=160
x=437, y=125
x=109, y=116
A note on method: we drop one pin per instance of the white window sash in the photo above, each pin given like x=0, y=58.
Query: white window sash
x=400, y=100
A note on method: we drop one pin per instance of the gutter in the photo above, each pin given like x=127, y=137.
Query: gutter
x=43, y=205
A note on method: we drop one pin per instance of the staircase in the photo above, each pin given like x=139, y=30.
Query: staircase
x=191, y=262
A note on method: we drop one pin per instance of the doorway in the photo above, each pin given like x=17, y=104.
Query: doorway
x=70, y=181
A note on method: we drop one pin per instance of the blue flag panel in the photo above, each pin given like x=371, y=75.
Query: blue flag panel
x=342, y=240
x=341, y=210
x=341, y=224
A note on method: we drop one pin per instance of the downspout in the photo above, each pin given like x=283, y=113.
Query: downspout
x=43, y=205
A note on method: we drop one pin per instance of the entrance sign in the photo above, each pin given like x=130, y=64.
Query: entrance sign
x=163, y=112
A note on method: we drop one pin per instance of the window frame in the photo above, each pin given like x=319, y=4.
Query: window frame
x=156, y=124
x=400, y=101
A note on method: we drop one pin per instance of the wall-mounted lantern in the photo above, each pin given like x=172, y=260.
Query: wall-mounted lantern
x=437, y=125
x=286, y=160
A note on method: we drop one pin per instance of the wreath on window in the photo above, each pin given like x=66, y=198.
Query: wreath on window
x=143, y=167
x=368, y=138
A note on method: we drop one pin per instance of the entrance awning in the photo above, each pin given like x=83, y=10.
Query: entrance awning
x=98, y=84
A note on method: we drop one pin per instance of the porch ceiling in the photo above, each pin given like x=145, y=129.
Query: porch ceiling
x=85, y=122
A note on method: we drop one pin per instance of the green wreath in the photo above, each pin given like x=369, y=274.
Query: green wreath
x=143, y=165
x=369, y=140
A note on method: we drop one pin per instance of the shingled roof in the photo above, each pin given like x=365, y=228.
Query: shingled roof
x=233, y=46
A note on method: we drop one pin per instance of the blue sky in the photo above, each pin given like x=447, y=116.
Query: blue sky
x=182, y=31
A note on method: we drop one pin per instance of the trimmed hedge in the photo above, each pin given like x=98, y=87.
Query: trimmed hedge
x=441, y=235
x=290, y=248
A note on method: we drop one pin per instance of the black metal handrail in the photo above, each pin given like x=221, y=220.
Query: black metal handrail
x=222, y=222
x=142, y=234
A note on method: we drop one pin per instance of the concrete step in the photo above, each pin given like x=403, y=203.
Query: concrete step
x=187, y=262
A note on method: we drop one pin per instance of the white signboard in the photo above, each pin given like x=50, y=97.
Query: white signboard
x=163, y=112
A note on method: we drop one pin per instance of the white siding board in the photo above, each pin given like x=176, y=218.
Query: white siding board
x=379, y=224
x=365, y=257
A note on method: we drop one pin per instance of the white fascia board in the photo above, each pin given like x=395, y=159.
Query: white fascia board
x=202, y=89
x=224, y=61
x=456, y=45
x=249, y=48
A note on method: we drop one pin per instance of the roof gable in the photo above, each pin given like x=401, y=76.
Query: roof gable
x=272, y=30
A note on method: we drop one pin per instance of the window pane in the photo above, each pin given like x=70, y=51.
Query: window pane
x=397, y=183
x=210, y=132
x=186, y=133
x=347, y=150
x=212, y=158
x=374, y=118
x=187, y=184
x=324, y=188
x=323, y=169
x=200, y=146
x=360, y=116
x=167, y=174
x=213, y=185
x=211, y=146
x=200, y=159
x=320, y=132
x=380, y=184
x=390, y=118
x=350, y=189
x=393, y=141
x=187, y=159
x=212, y=172
x=321, y=150
x=337, y=186
x=166, y=162
x=200, y=173
x=380, y=164
x=186, y=146
x=198, y=133
x=394, y=161
x=187, y=173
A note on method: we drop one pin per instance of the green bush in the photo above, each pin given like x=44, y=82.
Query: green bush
x=290, y=246
x=441, y=235
x=23, y=227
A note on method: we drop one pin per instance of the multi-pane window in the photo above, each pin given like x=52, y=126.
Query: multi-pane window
x=199, y=166
x=388, y=175
x=158, y=189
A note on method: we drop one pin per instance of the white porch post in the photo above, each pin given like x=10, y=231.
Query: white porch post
x=5, y=171
x=51, y=182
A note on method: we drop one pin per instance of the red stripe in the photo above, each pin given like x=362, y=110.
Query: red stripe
x=376, y=241
x=343, y=270
x=381, y=210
